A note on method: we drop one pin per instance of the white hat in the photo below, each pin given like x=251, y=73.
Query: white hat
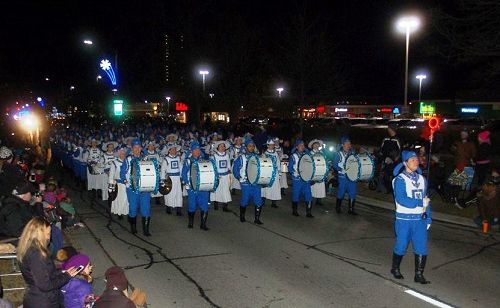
x=217, y=143
x=312, y=142
x=105, y=145
x=173, y=145
x=270, y=141
x=174, y=136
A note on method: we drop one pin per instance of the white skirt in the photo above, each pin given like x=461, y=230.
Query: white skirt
x=318, y=190
x=273, y=192
x=283, y=180
x=97, y=181
x=235, y=184
x=174, y=197
x=120, y=205
x=223, y=192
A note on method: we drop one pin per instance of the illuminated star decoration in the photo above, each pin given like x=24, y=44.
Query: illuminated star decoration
x=106, y=67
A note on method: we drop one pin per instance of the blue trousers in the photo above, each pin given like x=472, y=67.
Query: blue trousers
x=137, y=201
x=197, y=199
x=82, y=171
x=346, y=185
x=250, y=192
x=301, y=188
x=414, y=231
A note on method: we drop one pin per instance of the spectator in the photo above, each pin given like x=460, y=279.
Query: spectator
x=483, y=159
x=489, y=201
x=10, y=173
x=49, y=195
x=116, y=293
x=464, y=150
x=43, y=280
x=388, y=157
x=79, y=288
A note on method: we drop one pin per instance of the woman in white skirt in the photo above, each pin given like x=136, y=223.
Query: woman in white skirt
x=318, y=189
x=236, y=150
x=171, y=167
x=272, y=192
x=282, y=174
x=96, y=178
x=223, y=164
x=119, y=206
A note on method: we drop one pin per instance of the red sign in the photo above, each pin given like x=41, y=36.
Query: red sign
x=181, y=106
x=320, y=109
x=386, y=110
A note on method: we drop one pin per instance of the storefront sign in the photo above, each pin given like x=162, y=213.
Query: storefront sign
x=386, y=110
x=469, y=109
x=181, y=106
x=396, y=110
x=427, y=108
x=340, y=109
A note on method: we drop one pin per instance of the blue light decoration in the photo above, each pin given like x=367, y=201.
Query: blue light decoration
x=396, y=110
x=469, y=109
x=108, y=69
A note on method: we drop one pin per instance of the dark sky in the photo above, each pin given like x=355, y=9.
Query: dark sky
x=43, y=38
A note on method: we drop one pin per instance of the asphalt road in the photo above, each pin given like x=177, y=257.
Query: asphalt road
x=327, y=261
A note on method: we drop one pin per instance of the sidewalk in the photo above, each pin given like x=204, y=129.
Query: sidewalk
x=440, y=211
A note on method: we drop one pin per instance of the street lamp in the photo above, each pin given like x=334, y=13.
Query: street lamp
x=72, y=88
x=420, y=77
x=279, y=91
x=88, y=42
x=407, y=25
x=168, y=98
x=99, y=77
x=203, y=73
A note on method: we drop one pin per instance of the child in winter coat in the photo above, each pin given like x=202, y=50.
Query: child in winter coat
x=79, y=288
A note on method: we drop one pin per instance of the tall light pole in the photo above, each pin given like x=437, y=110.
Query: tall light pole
x=168, y=98
x=407, y=25
x=203, y=73
x=279, y=91
x=420, y=77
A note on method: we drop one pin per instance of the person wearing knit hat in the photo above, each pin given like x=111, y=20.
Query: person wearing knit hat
x=196, y=199
x=171, y=168
x=464, y=151
x=299, y=186
x=79, y=287
x=136, y=200
x=116, y=294
x=345, y=185
x=248, y=191
x=483, y=157
x=318, y=189
x=220, y=155
x=272, y=192
x=413, y=215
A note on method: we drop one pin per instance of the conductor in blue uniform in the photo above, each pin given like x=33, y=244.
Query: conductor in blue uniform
x=300, y=188
x=413, y=215
x=248, y=191
x=345, y=185
x=196, y=199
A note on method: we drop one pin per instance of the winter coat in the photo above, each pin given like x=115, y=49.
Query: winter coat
x=43, y=281
x=113, y=299
x=14, y=215
x=75, y=292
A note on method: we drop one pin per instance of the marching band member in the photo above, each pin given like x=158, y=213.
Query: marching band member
x=196, y=199
x=413, y=215
x=95, y=160
x=236, y=150
x=299, y=186
x=222, y=161
x=171, y=167
x=318, y=189
x=152, y=154
x=119, y=206
x=345, y=185
x=248, y=191
x=283, y=175
x=136, y=200
x=273, y=192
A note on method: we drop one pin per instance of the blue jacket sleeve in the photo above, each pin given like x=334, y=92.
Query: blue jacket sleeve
x=401, y=196
x=336, y=161
x=291, y=164
x=237, y=167
x=185, y=167
x=123, y=170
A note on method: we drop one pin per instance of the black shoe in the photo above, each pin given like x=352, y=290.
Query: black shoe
x=396, y=262
x=273, y=204
x=157, y=201
x=233, y=191
x=338, y=206
x=146, y=221
x=133, y=224
x=318, y=202
x=294, y=209
x=309, y=209
x=420, y=261
x=224, y=207
x=120, y=217
x=203, y=222
x=242, y=213
x=258, y=211
x=179, y=211
x=216, y=206
x=283, y=192
x=352, y=203
x=191, y=220
x=168, y=210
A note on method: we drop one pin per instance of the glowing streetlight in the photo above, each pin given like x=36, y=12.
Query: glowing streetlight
x=203, y=73
x=407, y=25
x=99, y=77
x=72, y=88
x=211, y=95
x=279, y=91
x=88, y=42
x=47, y=79
x=420, y=77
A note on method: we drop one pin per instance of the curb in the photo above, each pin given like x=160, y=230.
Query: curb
x=436, y=216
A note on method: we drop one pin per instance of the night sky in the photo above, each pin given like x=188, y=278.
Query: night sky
x=44, y=39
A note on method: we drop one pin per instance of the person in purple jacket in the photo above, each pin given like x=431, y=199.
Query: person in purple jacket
x=79, y=287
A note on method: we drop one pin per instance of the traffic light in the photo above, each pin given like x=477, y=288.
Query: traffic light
x=118, y=107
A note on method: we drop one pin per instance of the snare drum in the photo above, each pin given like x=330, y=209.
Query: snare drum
x=95, y=168
x=359, y=167
x=204, y=175
x=144, y=175
x=261, y=170
x=313, y=167
x=284, y=166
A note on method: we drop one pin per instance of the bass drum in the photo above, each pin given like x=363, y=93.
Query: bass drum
x=359, y=167
x=313, y=167
x=144, y=176
x=261, y=170
x=204, y=175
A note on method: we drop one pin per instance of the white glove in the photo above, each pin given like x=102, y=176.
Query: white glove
x=426, y=202
x=428, y=226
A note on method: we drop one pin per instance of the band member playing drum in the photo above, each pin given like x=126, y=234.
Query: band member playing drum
x=119, y=205
x=345, y=185
x=413, y=215
x=196, y=199
x=136, y=199
x=318, y=189
x=273, y=192
x=222, y=161
x=150, y=154
x=299, y=186
x=236, y=150
x=171, y=167
x=248, y=191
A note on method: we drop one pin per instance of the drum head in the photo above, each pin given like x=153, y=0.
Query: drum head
x=306, y=167
x=253, y=169
x=195, y=176
x=352, y=167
